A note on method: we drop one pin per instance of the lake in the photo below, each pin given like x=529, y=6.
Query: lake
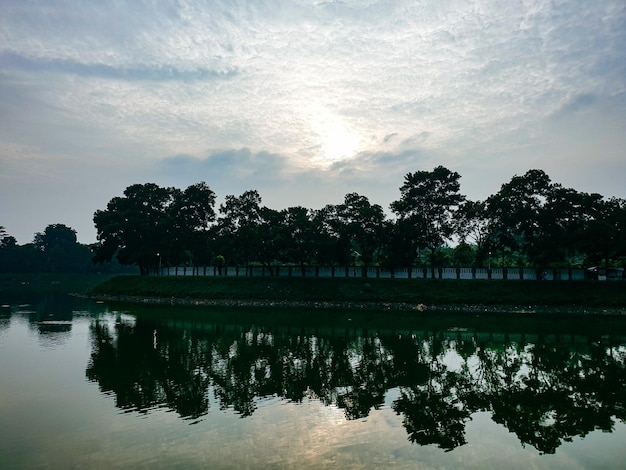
x=94, y=385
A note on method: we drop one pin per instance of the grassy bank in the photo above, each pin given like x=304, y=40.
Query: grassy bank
x=428, y=292
x=44, y=283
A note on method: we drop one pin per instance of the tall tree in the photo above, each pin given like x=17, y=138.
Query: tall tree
x=151, y=224
x=298, y=235
x=472, y=227
x=9, y=253
x=191, y=215
x=603, y=237
x=330, y=247
x=427, y=205
x=544, y=220
x=134, y=227
x=55, y=235
x=515, y=211
x=268, y=237
x=60, y=250
x=333, y=239
x=237, y=226
x=6, y=240
x=363, y=224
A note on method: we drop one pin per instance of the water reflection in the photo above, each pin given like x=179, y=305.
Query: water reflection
x=51, y=315
x=546, y=389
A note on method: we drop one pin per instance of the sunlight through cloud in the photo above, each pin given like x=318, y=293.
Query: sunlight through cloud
x=335, y=139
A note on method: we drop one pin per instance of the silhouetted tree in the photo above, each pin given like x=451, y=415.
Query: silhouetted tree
x=237, y=227
x=472, y=227
x=362, y=224
x=150, y=224
x=60, y=250
x=426, y=208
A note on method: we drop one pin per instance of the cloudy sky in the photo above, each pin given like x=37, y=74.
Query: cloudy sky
x=302, y=100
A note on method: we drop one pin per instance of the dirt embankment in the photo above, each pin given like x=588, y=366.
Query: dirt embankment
x=366, y=306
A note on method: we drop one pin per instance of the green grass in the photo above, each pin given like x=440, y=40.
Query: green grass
x=20, y=283
x=414, y=291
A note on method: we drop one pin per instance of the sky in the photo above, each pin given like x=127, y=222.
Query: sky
x=302, y=100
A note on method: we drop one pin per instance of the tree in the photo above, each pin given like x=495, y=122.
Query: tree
x=603, y=237
x=192, y=213
x=134, y=227
x=150, y=225
x=564, y=217
x=547, y=222
x=516, y=215
x=427, y=206
x=399, y=248
x=472, y=227
x=237, y=226
x=332, y=240
x=330, y=248
x=362, y=223
x=60, y=250
x=297, y=235
x=9, y=252
x=4, y=235
x=463, y=255
x=268, y=239
x=55, y=235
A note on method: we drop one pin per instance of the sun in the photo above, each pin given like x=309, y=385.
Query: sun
x=336, y=141
x=338, y=144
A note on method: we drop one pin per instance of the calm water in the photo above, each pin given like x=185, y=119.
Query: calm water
x=87, y=385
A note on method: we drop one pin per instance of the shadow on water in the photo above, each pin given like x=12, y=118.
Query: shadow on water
x=546, y=379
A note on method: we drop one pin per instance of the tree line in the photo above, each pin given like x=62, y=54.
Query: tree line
x=530, y=222
x=55, y=250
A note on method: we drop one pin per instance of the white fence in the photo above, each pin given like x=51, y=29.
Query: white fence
x=511, y=274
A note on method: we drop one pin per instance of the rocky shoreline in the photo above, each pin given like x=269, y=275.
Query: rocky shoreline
x=366, y=306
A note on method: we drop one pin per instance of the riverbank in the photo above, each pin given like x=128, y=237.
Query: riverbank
x=370, y=294
x=49, y=283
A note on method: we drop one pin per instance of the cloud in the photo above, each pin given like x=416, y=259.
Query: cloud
x=283, y=183
x=307, y=100
x=577, y=103
x=162, y=73
x=241, y=164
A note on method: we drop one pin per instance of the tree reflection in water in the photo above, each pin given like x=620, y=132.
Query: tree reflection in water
x=544, y=391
